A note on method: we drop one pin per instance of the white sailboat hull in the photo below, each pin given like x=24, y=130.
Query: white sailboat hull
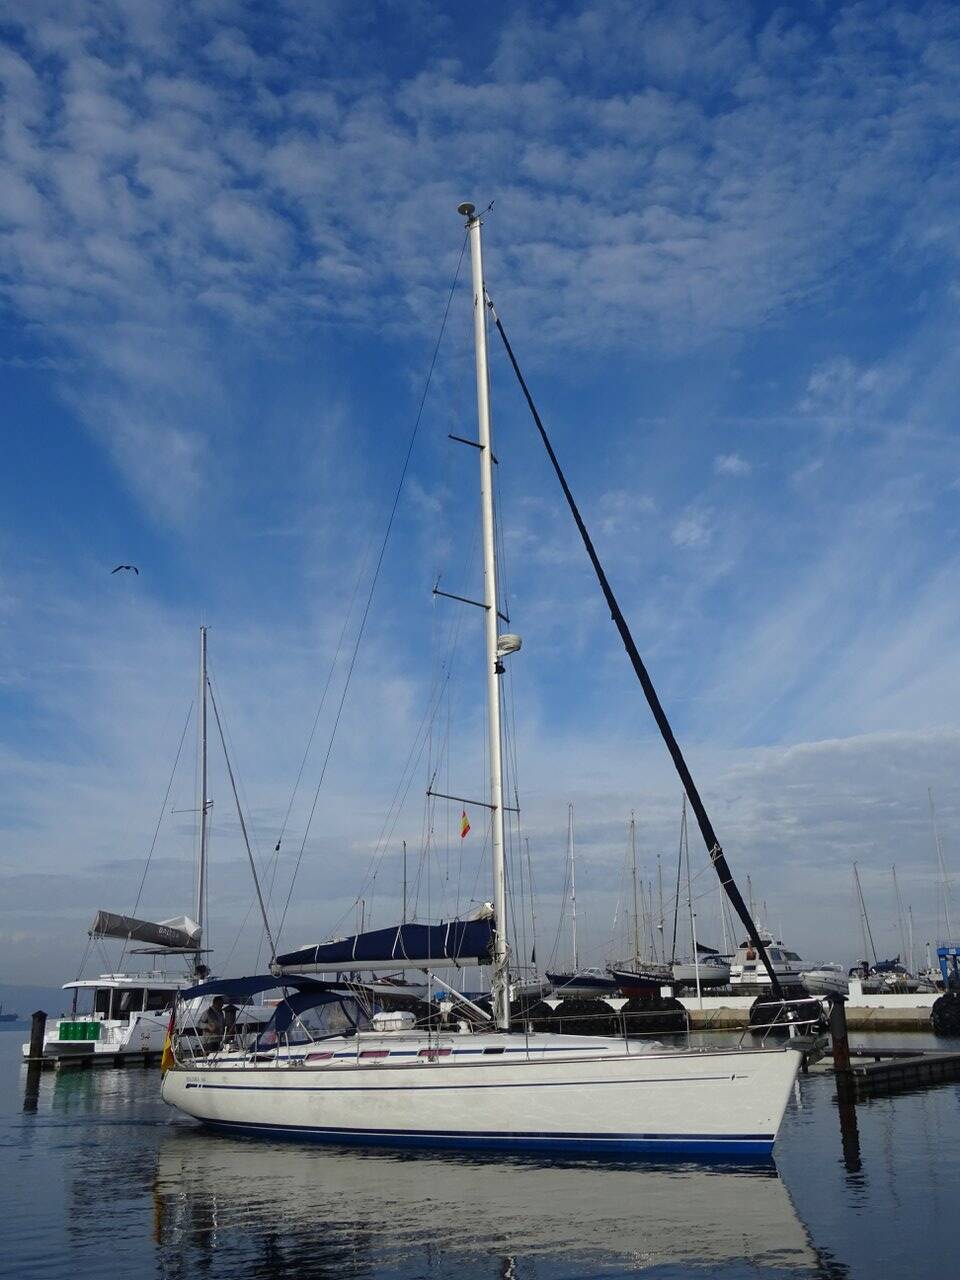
x=585, y=1096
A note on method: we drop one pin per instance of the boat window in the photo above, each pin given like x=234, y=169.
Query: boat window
x=494, y=1048
x=775, y=955
x=81, y=1000
x=159, y=1000
x=303, y=1023
x=792, y=955
x=128, y=1001
x=101, y=1001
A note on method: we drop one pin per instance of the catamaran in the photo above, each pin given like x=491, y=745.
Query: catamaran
x=476, y=1081
x=124, y=1015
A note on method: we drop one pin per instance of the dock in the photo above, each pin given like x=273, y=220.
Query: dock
x=891, y=1011
x=876, y=1072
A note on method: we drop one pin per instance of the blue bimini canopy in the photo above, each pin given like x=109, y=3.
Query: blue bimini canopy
x=403, y=946
x=245, y=988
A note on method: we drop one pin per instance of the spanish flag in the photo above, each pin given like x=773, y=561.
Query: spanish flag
x=167, y=1059
x=464, y=824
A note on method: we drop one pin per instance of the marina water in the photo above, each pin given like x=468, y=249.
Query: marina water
x=101, y=1179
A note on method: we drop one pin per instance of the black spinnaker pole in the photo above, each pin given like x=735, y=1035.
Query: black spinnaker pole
x=703, y=821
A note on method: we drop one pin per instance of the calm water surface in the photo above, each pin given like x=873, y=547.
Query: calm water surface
x=102, y=1179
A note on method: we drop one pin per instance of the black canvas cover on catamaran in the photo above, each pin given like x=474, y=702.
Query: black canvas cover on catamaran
x=181, y=933
x=402, y=946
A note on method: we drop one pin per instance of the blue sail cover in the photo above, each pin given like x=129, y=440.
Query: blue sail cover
x=402, y=946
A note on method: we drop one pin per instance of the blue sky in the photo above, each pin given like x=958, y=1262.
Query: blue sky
x=724, y=246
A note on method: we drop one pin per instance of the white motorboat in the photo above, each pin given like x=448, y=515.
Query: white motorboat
x=825, y=980
x=483, y=1086
x=748, y=975
x=124, y=1016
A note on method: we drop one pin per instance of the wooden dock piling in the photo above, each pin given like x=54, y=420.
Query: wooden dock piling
x=38, y=1026
x=841, y=1049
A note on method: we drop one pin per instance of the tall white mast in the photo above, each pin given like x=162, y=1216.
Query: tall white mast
x=500, y=988
x=204, y=804
x=573, y=886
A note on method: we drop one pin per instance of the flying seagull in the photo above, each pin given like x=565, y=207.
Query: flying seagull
x=126, y=566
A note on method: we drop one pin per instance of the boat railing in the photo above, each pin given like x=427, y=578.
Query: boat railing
x=796, y=1017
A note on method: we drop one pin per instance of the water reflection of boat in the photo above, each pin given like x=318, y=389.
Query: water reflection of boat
x=362, y=1211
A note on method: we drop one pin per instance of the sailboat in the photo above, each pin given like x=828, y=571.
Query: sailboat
x=124, y=1015
x=707, y=968
x=580, y=983
x=639, y=975
x=474, y=1081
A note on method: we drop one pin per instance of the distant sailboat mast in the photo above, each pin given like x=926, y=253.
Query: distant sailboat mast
x=533, y=905
x=942, y=870
x=693, y=919
x=204, y=805
x=901, y=922
x=865, y=930
x=573, y=886
x=636, y=907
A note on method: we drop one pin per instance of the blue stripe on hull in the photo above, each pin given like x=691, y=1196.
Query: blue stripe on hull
x=744, y=1144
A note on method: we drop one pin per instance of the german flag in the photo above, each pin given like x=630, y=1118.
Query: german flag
x=464, y=824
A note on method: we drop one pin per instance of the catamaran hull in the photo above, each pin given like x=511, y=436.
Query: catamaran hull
x=714, y=1104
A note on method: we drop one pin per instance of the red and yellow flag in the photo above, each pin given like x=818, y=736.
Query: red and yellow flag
x=464, y=824
x=167, y=1059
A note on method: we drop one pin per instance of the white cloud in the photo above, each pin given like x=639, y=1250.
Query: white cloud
x=731, y=464
x=176, y=203
x=845, y=393
x=693, y=530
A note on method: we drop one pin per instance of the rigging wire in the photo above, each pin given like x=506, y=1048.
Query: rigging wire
x=230, y=753
x=243, y=825
x=714, y=849
x=439, y=697
x=316, y=720
x=373, y=583
x=156, y=830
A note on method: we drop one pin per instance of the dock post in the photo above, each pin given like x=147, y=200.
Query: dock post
x=841, y=1047
x=37, y=1028
x=846, y=1089
x=31, y=1089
